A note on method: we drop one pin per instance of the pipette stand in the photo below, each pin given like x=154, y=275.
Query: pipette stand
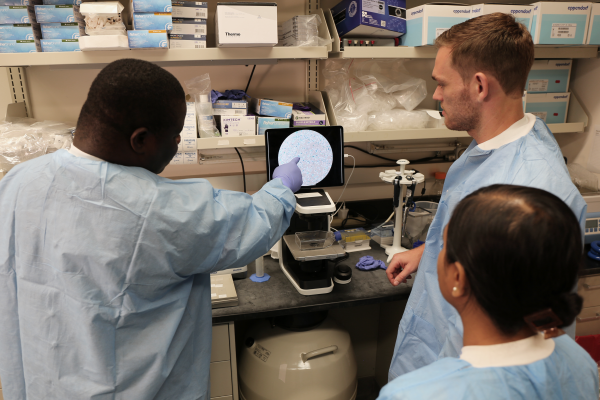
x=400, y=179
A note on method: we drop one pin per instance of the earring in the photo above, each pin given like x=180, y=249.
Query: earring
x=454, y=289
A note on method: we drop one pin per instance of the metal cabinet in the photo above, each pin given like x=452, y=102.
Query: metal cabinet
x=223, y=365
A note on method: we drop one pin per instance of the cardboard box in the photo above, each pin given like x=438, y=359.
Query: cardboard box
x=157, y=21
x=523, y=14
x=230, y=107
x=61, y=30
x=103, y=42
x=56, y=13
x=552, y=108
x=549, y=76
x=425, y=23
x=156, y=39
x=60, y=45
x=312, y=117
x=264, y=123
x=243, y=125
x=177, y=159
x=246, y=24
x=270, y=108
x=563, y=23
x=370, y=18
x=19, y=46
x=593, y=36
x=151, y=6
x=16, y=15
x=189, y=133
x=20, y=32
x=189, y=9
x=189, y=26
x=187, y=41
x=190, y=157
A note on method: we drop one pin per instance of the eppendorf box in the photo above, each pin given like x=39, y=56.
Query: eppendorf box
x=549, y=76
x=550, y=107
x=560, y=22
x=425, y=23
x=523, y=14
x=246, y=24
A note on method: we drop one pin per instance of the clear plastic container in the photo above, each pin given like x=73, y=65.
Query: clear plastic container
x=438, y=186
x=419, y=220
x=314, y=240
x=205, y=117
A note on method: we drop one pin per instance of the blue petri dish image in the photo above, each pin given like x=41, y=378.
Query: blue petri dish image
x=316, y=156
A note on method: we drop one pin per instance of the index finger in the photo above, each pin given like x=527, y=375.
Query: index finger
x=295, y=160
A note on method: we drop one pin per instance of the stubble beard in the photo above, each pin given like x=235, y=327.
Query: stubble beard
x=466, y=117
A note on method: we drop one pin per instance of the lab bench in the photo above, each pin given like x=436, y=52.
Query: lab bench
x=278, y=297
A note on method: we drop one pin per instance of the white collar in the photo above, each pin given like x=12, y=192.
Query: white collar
x=520, y=352
x=514, y=132
x=78, y=153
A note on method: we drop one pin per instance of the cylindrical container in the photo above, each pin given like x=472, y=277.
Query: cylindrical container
x=316, y=364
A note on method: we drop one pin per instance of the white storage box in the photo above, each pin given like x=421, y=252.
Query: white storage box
x=244, y=125
x=425, y=23
x=550, y=107
x=560, y=22
x=549, y=76
x=189, y=9
x=523, y=14
x=593, y=36
x=103, y=42
x=246, y=24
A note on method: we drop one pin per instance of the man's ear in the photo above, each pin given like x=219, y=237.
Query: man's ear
x=483, y=86
x=139, y=140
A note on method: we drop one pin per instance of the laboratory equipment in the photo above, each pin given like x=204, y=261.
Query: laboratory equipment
x=313, y=240
x=320, y=150
x=342, y=274
x=419, y=220
x=401, y=180
x=438, y=185
x=260, y=276
x=353, y=239
x=592, y=218
x=222, y=291
x=291, y=361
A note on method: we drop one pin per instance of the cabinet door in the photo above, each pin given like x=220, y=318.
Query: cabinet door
x=220, y=343
x=588, y=287
x=220, y=379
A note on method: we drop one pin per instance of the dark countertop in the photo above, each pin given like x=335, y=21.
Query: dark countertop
x=589, y=267
x=278, y=297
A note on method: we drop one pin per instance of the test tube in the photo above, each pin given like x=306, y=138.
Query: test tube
x=260, y=267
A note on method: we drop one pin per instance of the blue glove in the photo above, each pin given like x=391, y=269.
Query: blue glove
x=290, y=175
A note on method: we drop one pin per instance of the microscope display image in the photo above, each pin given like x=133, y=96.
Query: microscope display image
x=316, y=156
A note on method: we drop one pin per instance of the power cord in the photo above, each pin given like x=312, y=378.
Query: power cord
x=250, y=79
x=346, y=185
x=243, y=170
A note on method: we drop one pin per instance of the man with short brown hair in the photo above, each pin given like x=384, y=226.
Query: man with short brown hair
x=481, y=69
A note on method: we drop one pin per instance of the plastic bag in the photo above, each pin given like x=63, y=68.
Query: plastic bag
x=25, y=139
x=582, y=178
x=398, y=119
x=301, y=30
x=200, y=88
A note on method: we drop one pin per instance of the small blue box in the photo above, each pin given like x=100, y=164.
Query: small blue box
x=60, y=30
x=56, y=13
x=264, y=123
x=152, y=21
x=382, y=18
x=15, y=15
x=151, y=6
x=19, y=32
x=270, y=108
x=308, y=117
x=59, y=45
x=148, y=39
x=550, y=107
x=18, y=46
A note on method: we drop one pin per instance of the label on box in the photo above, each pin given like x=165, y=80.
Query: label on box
x=537, y=85
x=439, y=31
x=229, y=111
x=177, y=159
x=541, y=115
x=563, y=31
x=188, y=29
x=374, y=6
x=187, y=44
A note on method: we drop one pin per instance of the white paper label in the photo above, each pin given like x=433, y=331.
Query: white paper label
x=439, y=31
x=249, y=141
x=222, y=296
x=593, y=158
x=238, y=105
x=216, y=285
x=563, y=31
x=537, y=85
x=374, y=6
x=223, y=143
x=541, y=115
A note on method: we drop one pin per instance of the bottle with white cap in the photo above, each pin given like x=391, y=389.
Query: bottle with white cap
x=205, y=117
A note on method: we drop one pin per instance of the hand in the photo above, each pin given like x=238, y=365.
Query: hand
x=404, y=264
x=290, y=175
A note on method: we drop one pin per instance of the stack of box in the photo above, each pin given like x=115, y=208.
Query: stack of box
x=306, y=114
x=547, y=90
x=560, y=23
x=246, y=24
x=189, y=25
x=425, y=23
x=232, y=118
x=187, y=152
x=19, y=32
x=152, y=20
x=301, y=30
x=593, y=36
x=268, y=114
x=60, y=25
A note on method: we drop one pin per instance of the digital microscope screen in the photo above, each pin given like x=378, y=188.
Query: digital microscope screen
x=320, y=149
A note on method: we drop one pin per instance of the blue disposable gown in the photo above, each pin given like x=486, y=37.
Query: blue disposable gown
x=569, y=373
x=104, y=276
x=430, y=327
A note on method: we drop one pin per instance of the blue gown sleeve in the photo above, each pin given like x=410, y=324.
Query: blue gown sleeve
x=198, y=229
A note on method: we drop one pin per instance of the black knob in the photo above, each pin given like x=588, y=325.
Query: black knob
x=249, y=342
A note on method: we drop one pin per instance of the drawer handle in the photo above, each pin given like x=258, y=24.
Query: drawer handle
x=324, y=350
x=588, y=287
x=597, y=317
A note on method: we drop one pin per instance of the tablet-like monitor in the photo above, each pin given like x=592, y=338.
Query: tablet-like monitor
x=321, y=152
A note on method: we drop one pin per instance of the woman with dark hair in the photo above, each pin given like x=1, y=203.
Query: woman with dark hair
x=508, y=266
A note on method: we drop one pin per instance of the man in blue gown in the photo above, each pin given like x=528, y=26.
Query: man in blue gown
x=104, y=265
x=481, y=69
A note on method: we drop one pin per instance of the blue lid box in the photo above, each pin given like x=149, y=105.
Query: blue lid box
x=19, y=46
x=55, y=13
x=151, y=6
x=20, y=32
x=382, y=18
x=152, y=21
x=16, y=15
x=151, y=39
x=271, y=108
x=60, y=30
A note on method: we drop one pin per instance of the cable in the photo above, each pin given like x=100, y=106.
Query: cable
x=366, y=152
x=394, y=165
x=339, y=198
x=250, y=79
x=243, y=170
x=384, y=222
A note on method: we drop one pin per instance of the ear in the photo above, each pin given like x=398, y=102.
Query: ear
x=481, y=85
x=459, y=279
x=139, y=140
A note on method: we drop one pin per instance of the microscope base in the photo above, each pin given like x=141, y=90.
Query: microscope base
x=391, y=250
x=306, y=292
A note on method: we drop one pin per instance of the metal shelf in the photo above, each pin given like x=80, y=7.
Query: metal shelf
x=171, y=57
x=230, y=142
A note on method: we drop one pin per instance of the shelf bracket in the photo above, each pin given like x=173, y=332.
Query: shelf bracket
x=17, y=83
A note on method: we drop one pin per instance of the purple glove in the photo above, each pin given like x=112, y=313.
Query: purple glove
x=290, y=174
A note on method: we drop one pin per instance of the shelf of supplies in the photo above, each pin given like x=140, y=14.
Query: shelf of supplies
x=543, y=51
x=173, y=57
x=230, y=142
